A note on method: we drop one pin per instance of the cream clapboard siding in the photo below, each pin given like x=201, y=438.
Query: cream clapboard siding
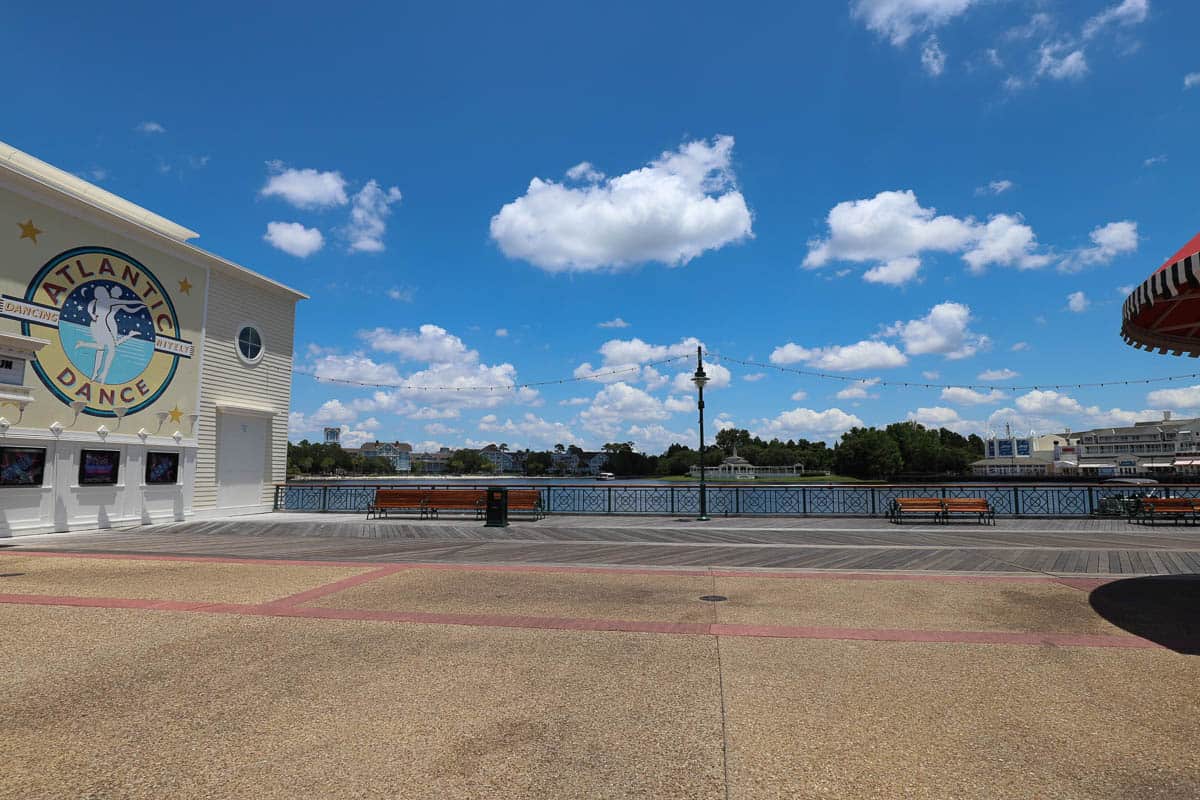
x=225, y=379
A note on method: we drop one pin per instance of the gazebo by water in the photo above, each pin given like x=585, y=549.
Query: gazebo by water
x=738, y=468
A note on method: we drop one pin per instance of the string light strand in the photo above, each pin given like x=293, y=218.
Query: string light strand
x=873, y=381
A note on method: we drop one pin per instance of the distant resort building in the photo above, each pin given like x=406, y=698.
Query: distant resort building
x=581, y=462
x=1164, y=448
x=1028, y=456
x=502, y=460
x=432, y=463
x=1159, y=447
x=398, y=454
x=736, y=467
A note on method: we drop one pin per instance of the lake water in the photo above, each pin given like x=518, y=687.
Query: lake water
x=502, y=480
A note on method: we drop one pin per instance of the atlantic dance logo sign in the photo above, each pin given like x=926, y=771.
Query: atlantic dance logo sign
x=114, y=336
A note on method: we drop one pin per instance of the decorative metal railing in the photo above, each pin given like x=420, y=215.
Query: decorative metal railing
x=1033, y=500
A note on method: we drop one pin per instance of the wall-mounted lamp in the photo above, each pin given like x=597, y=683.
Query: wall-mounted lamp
x=4, y=426
x=56, y=428
x=20, y=403
x=142, y=434
x=193, y=420
x=103, y=432
x=119, y=412
x=162, y=417
x=77, y=406
x=177, y=436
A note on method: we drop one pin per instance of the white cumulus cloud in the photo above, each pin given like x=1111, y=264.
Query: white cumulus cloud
x=893, y=230
x=944, y=331
x=857, y=391
x=1108, y=242
x=293, y=238
x=305, y=188
x=429, y=343
x=680, y=205
x=1125, y=13
x=969, y=397
x=1077, y=302
x=617, y=405
x=933, y=58
x=1059, y=61
x=899, y=20
x=997, y=374
x=995, y=187
x=657, y=438
x=1183, y=397
x=368, y=217
x=807, y=423
x=942, y=417
x=529, y=431
x=867, y=354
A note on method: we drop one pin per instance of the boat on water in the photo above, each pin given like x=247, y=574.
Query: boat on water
x=605, y=476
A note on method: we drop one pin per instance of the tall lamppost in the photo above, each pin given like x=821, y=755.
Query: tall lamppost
x=700, y=378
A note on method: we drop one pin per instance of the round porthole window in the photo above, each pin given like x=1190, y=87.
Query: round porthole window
x=249, y=344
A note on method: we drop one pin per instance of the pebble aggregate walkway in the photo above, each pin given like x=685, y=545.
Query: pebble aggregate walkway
x=317, y=656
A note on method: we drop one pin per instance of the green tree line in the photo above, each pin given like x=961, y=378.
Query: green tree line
x=900, y=449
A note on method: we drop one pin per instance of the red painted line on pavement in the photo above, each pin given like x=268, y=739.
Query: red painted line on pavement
x=933, y=636
x=1086, y=584
x=293, y=562
x=336, y=586
x=571, y=569
x=572, y=624
x=939, y=577
x=118, y=602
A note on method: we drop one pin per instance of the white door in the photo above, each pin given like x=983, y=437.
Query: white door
x=241, y=460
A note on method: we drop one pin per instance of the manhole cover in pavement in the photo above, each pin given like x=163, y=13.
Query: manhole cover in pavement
x=714, y=598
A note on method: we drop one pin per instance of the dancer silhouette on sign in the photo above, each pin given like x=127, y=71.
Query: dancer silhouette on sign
x=106, y=339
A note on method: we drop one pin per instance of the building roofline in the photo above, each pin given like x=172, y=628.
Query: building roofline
x=49, y=177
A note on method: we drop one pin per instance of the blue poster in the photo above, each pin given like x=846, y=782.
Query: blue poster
x=1006, y=448
x=1023, y=447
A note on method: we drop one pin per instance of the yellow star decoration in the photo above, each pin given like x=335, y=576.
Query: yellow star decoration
x=176, y=414
x=185, y=287
x=28, y=230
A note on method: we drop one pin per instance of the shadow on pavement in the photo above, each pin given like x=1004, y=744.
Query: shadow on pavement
x=1164, y=609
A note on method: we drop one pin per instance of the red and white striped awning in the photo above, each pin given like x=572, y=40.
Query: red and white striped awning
x=1163, y=313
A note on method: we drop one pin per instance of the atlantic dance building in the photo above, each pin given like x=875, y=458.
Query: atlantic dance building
x=142, y=379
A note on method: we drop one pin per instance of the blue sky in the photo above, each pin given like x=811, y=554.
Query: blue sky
x=881, y=188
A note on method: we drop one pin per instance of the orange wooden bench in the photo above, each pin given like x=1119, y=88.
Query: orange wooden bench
x=916, y=505
x=526, y=500
x=1177, y=507
x=969, y=505
x=455, y=500
x=397, y=500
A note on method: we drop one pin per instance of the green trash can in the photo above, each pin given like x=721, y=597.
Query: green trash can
x=496, y=509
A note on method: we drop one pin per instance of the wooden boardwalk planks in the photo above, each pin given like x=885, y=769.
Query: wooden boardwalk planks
x=1068, y=547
